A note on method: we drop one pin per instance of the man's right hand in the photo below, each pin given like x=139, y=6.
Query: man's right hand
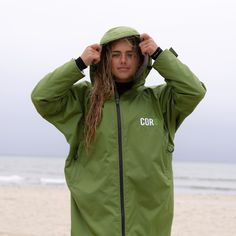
x=91, y=54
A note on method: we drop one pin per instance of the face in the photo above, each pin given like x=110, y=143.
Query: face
x=124, y=61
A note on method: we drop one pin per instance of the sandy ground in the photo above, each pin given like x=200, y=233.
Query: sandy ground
x=45, y=211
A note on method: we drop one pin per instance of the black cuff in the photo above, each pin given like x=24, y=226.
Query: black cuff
x=156, y=53
x=80, y=63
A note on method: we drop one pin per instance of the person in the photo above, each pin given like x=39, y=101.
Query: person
x=121, y=133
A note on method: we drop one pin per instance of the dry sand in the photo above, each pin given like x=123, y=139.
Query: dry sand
x=45, y=211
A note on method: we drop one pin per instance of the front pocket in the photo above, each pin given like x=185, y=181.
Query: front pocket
x=73, y=171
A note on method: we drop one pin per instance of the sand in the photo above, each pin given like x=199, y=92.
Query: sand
x=45, y=211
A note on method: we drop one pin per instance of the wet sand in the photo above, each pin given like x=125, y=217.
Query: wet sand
x=45, y=211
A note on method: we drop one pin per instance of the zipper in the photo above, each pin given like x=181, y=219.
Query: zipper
x=122, y=208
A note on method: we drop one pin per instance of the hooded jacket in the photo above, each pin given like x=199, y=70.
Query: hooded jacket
x=124, y=185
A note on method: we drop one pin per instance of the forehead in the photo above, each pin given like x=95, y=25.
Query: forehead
x=122, y=45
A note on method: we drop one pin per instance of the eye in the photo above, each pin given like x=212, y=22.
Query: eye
x=130, y=54
x=115, y=55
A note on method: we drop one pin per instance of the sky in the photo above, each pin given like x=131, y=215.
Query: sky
x=38, y=36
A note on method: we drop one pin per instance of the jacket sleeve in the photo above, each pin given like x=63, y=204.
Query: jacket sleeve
x=182, y=91
x=58, y=100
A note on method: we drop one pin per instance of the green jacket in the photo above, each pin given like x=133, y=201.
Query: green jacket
x=124, y=185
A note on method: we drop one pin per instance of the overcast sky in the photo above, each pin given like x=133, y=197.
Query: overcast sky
x=38, y=36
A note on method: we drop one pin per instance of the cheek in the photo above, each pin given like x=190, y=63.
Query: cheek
x=113, y=65
x=136, y=65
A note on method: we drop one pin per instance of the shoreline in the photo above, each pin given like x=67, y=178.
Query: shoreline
x=45, y=211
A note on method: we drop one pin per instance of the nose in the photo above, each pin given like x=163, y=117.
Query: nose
x=123, y=58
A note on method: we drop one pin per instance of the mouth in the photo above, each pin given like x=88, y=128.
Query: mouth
x=123, y=68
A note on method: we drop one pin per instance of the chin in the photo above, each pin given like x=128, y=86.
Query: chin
x=123, y=80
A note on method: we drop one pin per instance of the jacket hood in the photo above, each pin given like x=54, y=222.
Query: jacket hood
x=119, y=33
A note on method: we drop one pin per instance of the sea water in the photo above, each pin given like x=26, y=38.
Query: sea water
x=195, y=177
x=189, y=177
x=31, y=170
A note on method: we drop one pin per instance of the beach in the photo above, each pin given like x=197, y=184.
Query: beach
x=45, y=211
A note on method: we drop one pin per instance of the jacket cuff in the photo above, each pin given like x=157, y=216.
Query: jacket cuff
x=80, y=63
x=155, y=55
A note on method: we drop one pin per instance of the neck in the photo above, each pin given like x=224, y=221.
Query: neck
x=122, y=87
x=123, y=81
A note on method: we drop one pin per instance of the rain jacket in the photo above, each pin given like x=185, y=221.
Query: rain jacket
x=124, y=185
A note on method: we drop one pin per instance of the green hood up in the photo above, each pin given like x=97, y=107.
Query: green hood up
x=119, y=33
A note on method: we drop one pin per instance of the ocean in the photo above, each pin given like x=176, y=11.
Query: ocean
x=189, y=177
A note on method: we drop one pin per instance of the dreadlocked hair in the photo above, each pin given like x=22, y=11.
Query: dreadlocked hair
x=103, y=89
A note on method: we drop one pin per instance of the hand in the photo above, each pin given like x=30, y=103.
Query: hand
x=147, y=45
x=91, y=54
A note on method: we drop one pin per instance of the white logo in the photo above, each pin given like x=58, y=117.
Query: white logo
x=146, y=121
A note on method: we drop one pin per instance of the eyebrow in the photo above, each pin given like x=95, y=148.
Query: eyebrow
x=125, y=51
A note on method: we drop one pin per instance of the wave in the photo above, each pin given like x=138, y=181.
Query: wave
x=19, y=180
x=14, y=179
x=205, y=184
x=213, y=188
x=205, y=179
x=53, y=181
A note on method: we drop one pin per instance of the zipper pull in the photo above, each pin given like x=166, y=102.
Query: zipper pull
x=117, y=99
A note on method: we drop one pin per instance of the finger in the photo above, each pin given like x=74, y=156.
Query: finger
x=146, y=42
x=144, y=46
x=143, y=49
x=96, y=59
x=96, y=47
x=144, y=37
x=147, y=49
